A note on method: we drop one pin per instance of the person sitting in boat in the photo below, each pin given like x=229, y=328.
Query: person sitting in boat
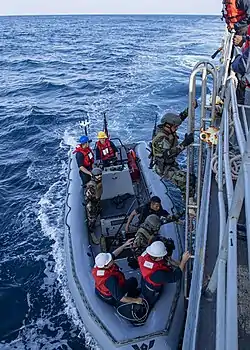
x=85, y=159
x=106, y=151
x=147, y=230
x=165, y=148
x=156, y=272
x=152, y=207
x=111, y=285
x=93, y=195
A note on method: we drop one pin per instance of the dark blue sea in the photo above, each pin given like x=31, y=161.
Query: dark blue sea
x=55, y=70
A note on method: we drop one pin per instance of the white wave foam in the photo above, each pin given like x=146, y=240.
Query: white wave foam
x=51, y=218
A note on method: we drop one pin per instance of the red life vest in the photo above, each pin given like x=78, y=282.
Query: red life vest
x=102, y=275
x=88, y=160
x=133, y=168
x=106, y=151
x=232, y=14
x=148, y=266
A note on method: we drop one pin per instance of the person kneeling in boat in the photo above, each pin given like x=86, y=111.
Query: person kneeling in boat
x=85, y=159
x=106, y=151
x=156, y=272
x=93, y=195
x=146, y=232
x=111, y=285
x=152, y=207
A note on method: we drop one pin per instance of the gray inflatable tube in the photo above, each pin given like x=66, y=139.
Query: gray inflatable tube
x=164, y=324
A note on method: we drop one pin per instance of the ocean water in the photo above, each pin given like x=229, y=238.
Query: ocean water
x=54, y=71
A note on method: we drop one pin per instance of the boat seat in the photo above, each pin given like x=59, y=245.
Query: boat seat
x=116, y=183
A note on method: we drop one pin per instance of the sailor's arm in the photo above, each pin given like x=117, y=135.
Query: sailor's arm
x=173, y=152
x=130, y=218
x=184, y=114
x=118, y=250
x=161, y=276
x=84, y=170
x=167, y=218
x=80, y=162
x=97, y=153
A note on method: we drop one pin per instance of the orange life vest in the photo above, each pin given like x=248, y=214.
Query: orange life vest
x=232, y=14
x=102, y=275
x=106, y=151
x=88, y=160
x=148, y=266
x=133, y=168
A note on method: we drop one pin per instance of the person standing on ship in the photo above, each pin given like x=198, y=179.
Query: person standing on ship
x=237, y=15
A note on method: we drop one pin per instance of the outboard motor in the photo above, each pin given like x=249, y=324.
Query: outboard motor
x=135, y=313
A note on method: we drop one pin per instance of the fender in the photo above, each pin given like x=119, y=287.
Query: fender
x=133, y=168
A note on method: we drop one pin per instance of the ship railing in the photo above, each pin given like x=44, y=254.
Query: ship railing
x=232, y=152
x=233, y=147
x=228, y=54
x=196, y=228
x=196, y=152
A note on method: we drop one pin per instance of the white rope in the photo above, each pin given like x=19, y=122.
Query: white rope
x=235, y=162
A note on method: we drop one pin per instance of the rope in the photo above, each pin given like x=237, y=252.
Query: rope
x=235, y=163
x=135, y=318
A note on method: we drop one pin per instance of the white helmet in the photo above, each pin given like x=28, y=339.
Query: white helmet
x=157, y=249
x=103, y=259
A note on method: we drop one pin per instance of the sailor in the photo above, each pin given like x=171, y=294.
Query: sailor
x=146, y=232
x=166, y=148
x=93, y=195
x=152, y=207
x=170, y=247
x=84, y=158
x=156, y=272
x=106, y=151
x=241, y=65
x=237, y=15
x=111, y=285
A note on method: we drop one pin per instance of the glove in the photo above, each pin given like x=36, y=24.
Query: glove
x=189, y=138
x=177, y=216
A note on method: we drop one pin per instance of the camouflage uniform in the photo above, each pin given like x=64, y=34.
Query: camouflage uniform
x=92, y=197
x=165, y=150
x=142, y=239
